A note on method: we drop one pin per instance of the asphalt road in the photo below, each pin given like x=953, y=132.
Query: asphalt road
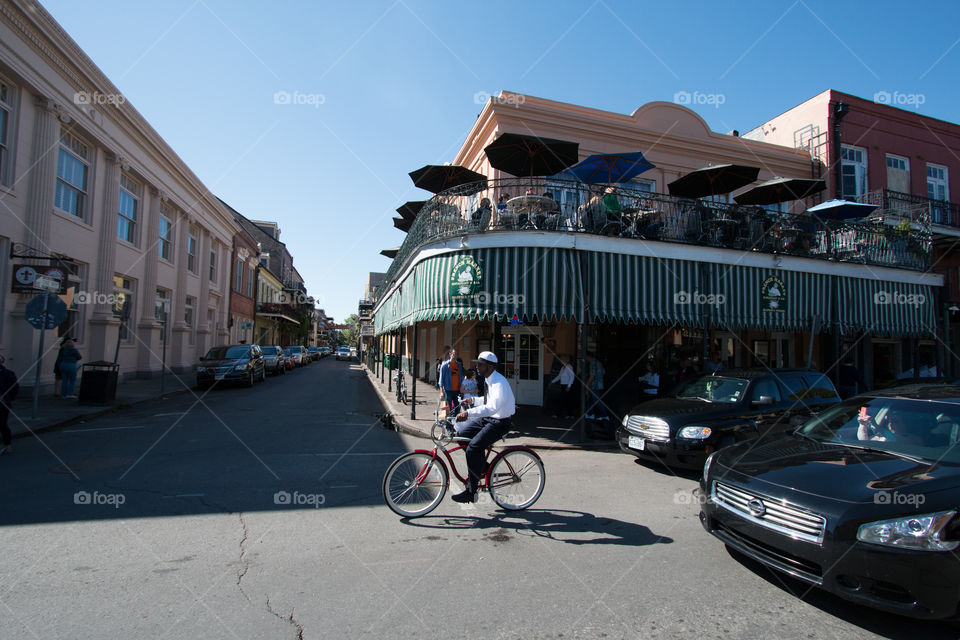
x=257, y=513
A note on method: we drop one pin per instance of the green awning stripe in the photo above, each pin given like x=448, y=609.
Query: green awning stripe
x=886, y=308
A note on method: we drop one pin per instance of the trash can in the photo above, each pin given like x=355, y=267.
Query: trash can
x=98, y=383
x=391, y=361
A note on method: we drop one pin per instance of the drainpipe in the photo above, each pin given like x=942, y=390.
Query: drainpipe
x=840, y=110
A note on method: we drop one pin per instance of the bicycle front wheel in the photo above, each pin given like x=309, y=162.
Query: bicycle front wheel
x=516, y=479
x=414, y=484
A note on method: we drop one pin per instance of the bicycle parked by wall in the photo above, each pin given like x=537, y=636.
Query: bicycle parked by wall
x=400, y=379
x=416, y=482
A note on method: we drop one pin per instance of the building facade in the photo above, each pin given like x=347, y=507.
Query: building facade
x=90, y=190
x=756, y=287
x=245, y=267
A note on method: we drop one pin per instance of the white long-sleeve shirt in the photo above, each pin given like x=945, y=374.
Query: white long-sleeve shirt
x=565, y=377
x=500, y=402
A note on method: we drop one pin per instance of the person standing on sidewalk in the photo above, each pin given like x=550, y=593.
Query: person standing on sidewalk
x=566, y=378
x=451, y=373
x=57, y=376
x=9, y=387
x=595, y=374
x=69, y=357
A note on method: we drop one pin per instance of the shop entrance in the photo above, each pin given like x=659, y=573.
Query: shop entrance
x=521, y=352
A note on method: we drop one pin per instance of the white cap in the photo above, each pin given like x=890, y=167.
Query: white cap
x=487, y=356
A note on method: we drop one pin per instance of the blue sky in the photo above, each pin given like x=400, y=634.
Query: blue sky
x=388, y=86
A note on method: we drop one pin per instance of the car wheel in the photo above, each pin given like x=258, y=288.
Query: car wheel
x=249, y=381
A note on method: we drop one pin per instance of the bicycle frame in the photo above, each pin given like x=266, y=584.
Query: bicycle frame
x=487, y=461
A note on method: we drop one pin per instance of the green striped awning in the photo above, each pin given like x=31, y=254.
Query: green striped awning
x=880, y=307
x=622, y=288
x=531, y=282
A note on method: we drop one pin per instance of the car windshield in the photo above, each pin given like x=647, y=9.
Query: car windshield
x=918, y=428
x=269, y=351
x=228, y=353
x=713, y=389
x=295, y=349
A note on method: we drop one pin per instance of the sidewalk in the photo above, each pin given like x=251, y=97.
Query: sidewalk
x=53, y=412
x=537, y=428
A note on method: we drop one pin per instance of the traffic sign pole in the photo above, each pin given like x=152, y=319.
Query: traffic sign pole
x=36, y=378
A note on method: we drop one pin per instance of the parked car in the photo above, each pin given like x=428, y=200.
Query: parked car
x=325, y=351
x=231, y=363
x=718, y=410
x=343, y=353
x=274, y=360
x=291, y=360
x=314, y=352
x=300, y=357
x=862, y=500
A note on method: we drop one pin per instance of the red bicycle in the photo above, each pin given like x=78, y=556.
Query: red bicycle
x=416, y=482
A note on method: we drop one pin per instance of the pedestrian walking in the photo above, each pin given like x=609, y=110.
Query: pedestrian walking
x=69, y=359
x=469, y=387
x=451, y=373
x=649, y=382
x=57, y=376
x=9, y=387
x=595, y=374
x=566, y=378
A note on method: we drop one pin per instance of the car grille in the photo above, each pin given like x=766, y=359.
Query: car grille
x=646, y=427
x=771, y=513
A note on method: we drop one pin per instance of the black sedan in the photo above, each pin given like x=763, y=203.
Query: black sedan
x=241, y=363
x=861, y=501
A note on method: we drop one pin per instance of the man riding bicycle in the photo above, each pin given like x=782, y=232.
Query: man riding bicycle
x=489, y=421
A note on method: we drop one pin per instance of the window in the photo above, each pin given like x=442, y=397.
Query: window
x=898, y=173
x=129, y=203
x=72, y=168
x=796, y=389
x=188, y=308
x=937, y=190
x=238, y=285
x=192, y=252
x=853, y=171
x=72, y=325
x=6, y=109
x=161, y=309
x=896, y=162
x=123, y=291
x=213, y=265
x=165, y=242
x=250, y=274
x=766, y=388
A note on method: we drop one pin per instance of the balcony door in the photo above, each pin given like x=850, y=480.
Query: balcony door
x=937, y=190
x=854, y=171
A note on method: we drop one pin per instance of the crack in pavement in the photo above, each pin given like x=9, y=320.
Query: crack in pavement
x=245, y=566
x=289, y=619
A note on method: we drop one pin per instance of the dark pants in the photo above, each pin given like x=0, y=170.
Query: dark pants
x=567, y=402
x=453, y=401
x=596, y=408
x=4, y=427
x=482, y=435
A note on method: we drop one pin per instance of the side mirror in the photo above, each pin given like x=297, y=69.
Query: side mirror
x=764, y=401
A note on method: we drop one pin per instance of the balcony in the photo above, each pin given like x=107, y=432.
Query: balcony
x=279, y=310
x=918, y=209
x=562, y=206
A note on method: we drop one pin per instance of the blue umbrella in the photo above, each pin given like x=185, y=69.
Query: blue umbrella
x=610, y=167
x=841, y=210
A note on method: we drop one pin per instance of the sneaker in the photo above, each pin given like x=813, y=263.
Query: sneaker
x=5, y=450
x=465, y=496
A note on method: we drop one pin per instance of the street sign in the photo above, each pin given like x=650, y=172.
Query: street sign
x=25, y=277
x=46, y=311
x=46, y=283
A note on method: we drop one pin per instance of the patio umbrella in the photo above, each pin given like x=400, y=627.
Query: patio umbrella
x=781, y=190
x=841, y=210
x=409, y=210
x=440, y=177
x=527, y=156
x=390, y=253
x=402, y=224
x=610, y=167
x=712, y=181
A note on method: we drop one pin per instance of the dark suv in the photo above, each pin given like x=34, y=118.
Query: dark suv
x=231, y=363
x=717, y=410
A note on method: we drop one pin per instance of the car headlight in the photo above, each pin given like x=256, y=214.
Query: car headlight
x=201, y=369
x=695, y=433
x=241, y=367
x=921, y=532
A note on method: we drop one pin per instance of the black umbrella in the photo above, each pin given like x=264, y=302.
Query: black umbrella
x=390, y=253
x=402, y=224
x=781, y=190
x=526, y=156
x=409, y=210
x=440, y=177
x=712, y=181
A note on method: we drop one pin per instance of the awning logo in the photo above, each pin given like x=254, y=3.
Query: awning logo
x=773, y=295
x=466, y=278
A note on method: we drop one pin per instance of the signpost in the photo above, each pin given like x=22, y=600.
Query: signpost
x=46, y=311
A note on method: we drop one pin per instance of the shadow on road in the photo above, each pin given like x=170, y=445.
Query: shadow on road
x=556, y=524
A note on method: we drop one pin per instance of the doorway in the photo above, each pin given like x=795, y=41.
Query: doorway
x=521, y=352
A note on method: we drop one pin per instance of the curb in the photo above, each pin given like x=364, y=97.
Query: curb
x=66, y=422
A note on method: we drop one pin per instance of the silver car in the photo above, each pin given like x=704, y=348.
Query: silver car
x=273, y=360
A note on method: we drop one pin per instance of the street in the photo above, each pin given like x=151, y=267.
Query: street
x=257, y=513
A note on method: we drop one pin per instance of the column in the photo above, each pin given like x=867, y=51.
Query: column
x=43, y=173
x=148, y=329
x=178, y=328
x=104, y=327
x=203, y=328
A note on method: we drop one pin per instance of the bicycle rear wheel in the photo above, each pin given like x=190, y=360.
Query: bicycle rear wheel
x=414, y=484
x=516, y=479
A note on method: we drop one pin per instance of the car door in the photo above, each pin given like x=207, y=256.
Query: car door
x=766, y=416
x=797, y=397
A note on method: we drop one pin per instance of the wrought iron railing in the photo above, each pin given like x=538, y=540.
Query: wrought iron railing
x=562, y=206
x=917, y=209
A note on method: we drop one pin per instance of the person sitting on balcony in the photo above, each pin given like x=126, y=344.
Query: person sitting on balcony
x=481, y=217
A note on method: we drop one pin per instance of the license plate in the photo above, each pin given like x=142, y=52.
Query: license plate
x=636, y=442
x=219, y=376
